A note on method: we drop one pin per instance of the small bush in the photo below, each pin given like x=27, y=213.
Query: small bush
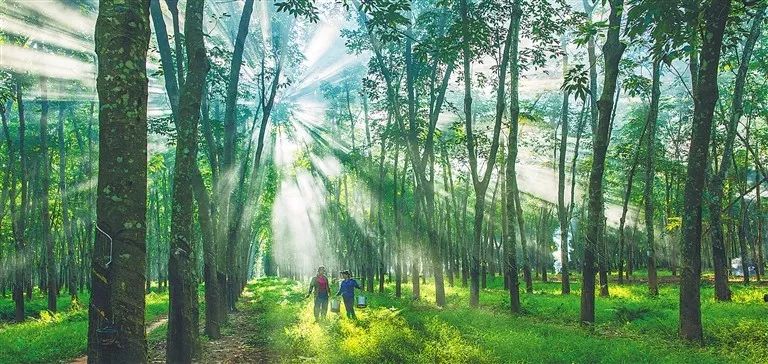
x=627, y=313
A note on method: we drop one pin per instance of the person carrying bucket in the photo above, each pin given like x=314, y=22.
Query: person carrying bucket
x=347, y=293
x=322, y=288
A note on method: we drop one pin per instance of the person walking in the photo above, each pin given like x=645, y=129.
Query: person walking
x=322, y=288
x=347, y=293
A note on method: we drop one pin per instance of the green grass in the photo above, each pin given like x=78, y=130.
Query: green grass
x=631, y=327
x=38, y=304
x=380, y=335
x=58, y=337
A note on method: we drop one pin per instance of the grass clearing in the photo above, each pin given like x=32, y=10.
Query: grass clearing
x=631, y=327
x=61, y=336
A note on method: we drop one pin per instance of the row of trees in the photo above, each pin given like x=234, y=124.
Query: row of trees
x=414, y=55
x=439, y=155
x=117, y=233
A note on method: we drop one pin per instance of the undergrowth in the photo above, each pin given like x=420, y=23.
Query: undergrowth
x=631, y=327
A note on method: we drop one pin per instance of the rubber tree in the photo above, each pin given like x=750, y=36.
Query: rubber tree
x=419, y=158
x=650, y=173
x=511, y=57
x=66, y=226
x=116, y=313
x=613, y=49
x=45, y=215
x=229, y=155
x=717, y=182
x=562, y=209
x=20, y=215
x=183, y=315
x=705, y=96
x=479, y=182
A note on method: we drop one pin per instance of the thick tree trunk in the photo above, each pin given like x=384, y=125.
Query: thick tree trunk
x=118, y=264
x=612, y=52
x=183, y=316
x=705, y=97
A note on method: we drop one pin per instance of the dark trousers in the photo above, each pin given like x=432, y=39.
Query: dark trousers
x=349, y=305
x=321, y=306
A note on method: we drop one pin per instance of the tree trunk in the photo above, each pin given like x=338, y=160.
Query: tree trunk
x=759, y=239
x=213, y=307
x=20, y=217
x=562, y=211
x=592, y=59
x=398, y=224
x=183, y=316
x=45, y=216
x=119, y=256
x=612, y=51
x=705, y=97
x=166, y=59
x=625, y=201
x=178, y=40
x=228, y=157
x=722, y=292
x=650, y=175
x=66, y=226
x=480, y=183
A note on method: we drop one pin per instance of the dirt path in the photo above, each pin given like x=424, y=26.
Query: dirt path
x=242, y=341
x=152, y=327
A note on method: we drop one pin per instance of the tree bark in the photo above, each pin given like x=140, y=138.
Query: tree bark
x=612, y=52
x=480, y=183
x=650, y=175
x=705, y=97
x=589, y=7
x=722, y=292
x=178, y=40
x=20, y=217
x=183, y=316
x=625, y=201
x=65, y=221
x=119, y=256
x=166, y=59
x=511, y=57
x=45, y=215
x=562, y=211
x=228, y=157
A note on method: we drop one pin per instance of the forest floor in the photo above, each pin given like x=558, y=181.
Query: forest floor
x=631, y=328
x=61, y=337
x=275, y=324
x=242, y=340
